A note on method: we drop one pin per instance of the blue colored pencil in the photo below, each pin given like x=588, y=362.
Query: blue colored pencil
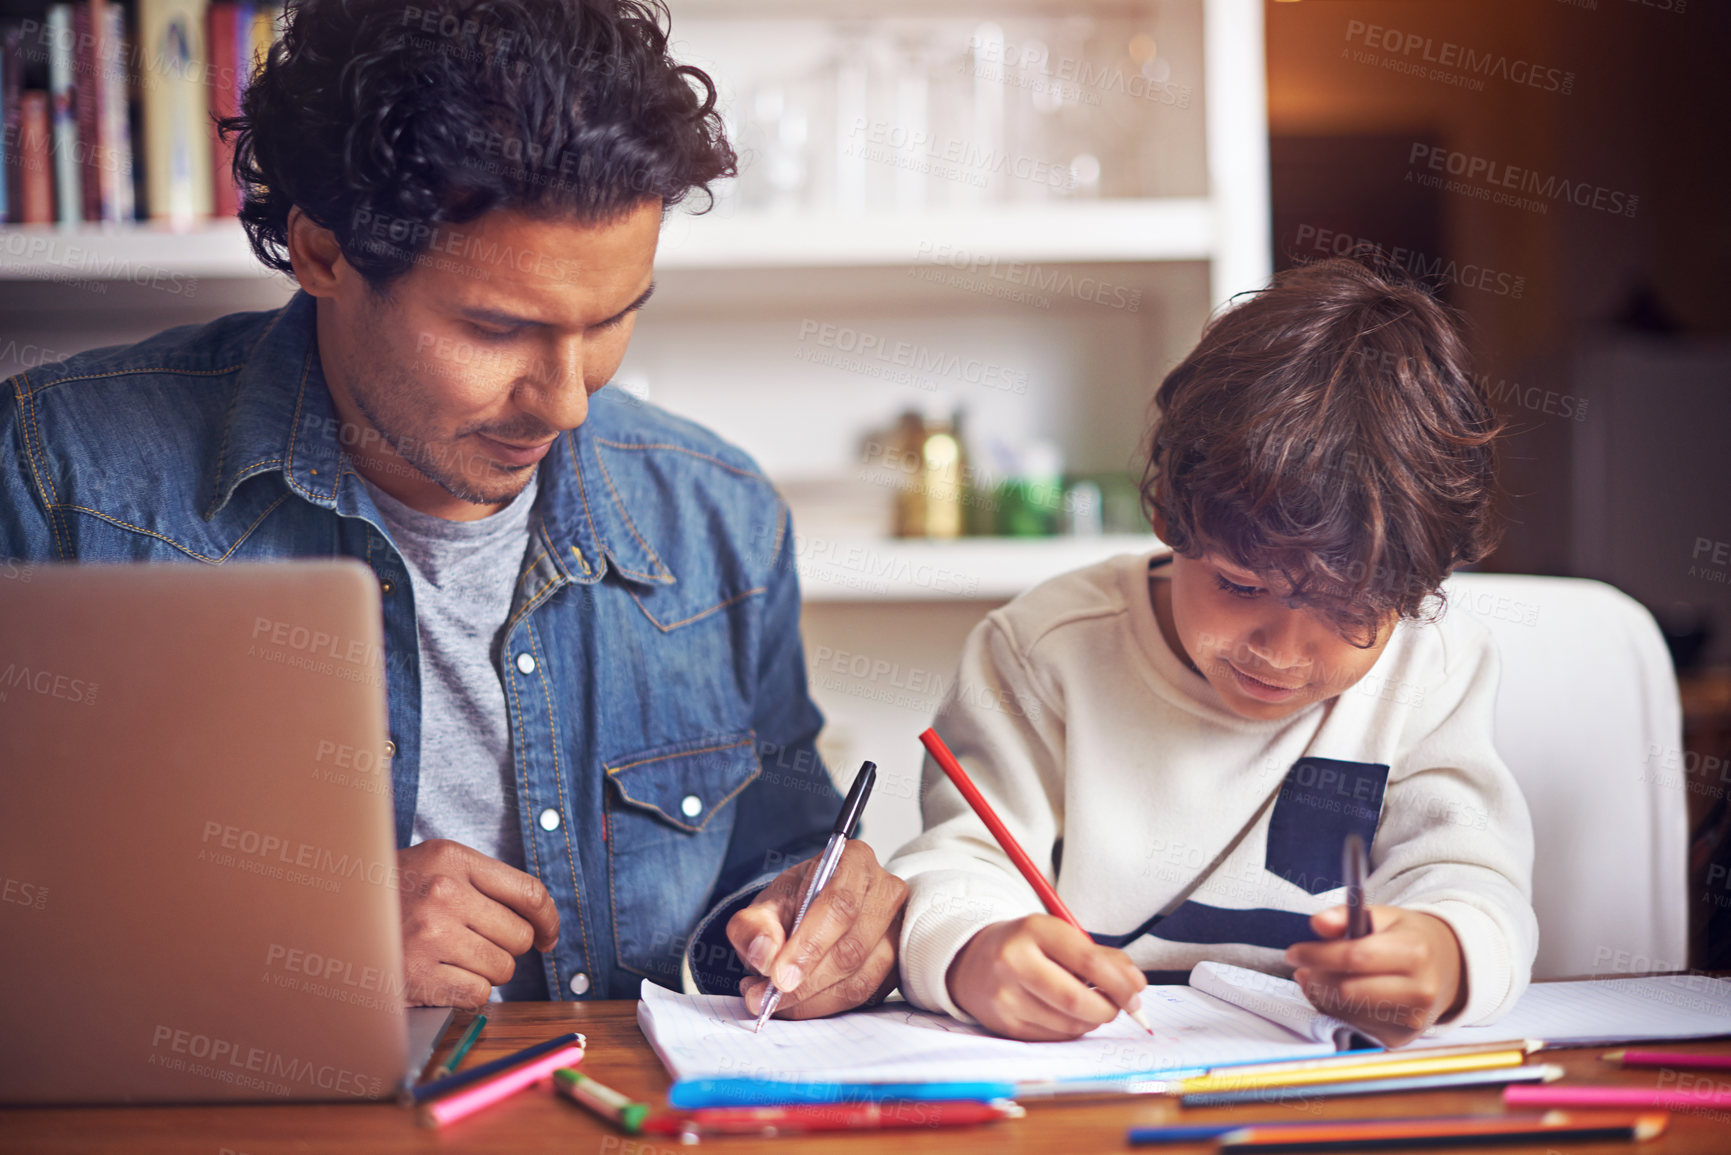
x=688, y=1094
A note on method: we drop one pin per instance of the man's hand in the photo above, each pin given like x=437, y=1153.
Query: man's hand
x=465, y=919
x=1391, y=984
x=844, y=955
x=1035, y=978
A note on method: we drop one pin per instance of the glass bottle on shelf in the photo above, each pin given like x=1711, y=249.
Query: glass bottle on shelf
x=941, y=466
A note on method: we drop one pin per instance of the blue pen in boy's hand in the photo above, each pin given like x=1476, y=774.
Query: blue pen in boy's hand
x=826, y=864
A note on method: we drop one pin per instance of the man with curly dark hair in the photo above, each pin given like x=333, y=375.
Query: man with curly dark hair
x=602, y=746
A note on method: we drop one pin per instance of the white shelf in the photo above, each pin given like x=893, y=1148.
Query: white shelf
x=1167, y=229
x=993, y=569
x=141, y=253
x=1163, y=229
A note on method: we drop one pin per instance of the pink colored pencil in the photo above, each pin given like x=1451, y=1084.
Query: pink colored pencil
x=461, y=1104
x=1622, y=1098
x=1668, y=1059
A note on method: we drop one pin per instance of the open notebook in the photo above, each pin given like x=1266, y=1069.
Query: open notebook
x=1227, y=1015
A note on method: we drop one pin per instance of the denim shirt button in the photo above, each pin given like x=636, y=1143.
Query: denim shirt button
x=526, y=663
x=386, y=586
x=579, y=983
x=691, y=806
x=549, y=819
x=390, y=748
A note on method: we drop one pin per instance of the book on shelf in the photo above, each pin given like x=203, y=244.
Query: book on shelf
x=128, y=93
x=36, y=178
x=11, y=124
x=240, y=35
x=225, y=25
x=89, y=82
x=63, y=97
x=100, y=87
x=114, y=122
x=176, y=110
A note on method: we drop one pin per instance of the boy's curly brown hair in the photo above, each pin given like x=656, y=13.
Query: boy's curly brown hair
x=1329, y=431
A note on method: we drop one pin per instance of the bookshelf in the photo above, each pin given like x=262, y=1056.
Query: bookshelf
x=1121, y=231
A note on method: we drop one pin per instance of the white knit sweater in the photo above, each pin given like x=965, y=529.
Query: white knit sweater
x=1094, y=742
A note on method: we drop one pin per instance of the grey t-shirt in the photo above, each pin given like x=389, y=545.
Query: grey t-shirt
x=464, y=574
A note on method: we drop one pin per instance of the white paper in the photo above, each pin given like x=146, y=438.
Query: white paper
x=1581, y=1013
x=1594, y=1011
x=1269, y=996
x=709, y=1036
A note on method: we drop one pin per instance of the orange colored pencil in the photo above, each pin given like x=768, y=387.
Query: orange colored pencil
x=1463, y=1131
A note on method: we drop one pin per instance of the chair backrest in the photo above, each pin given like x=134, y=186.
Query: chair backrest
x=1588, y=719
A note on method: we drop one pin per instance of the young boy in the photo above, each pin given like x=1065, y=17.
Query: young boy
x=1192, y=735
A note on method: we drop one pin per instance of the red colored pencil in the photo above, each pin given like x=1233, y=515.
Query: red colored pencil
x=1048, y=894
x=794, y=1119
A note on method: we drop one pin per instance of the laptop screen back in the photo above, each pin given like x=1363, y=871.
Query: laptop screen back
x=196, y=845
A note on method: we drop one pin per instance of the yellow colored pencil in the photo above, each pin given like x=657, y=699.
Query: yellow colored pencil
x=1357, y=1059
x=1388, y=1069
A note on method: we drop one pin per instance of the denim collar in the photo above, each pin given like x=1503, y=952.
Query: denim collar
x=282, y=420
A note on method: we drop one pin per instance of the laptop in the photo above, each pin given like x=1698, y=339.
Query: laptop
x=197, y=861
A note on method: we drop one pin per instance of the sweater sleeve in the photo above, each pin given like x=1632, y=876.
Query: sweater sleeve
x=1456, y=840
x=1008, y=737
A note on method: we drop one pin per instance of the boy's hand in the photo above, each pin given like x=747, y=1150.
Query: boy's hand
x=1391, y=984
x=844, y=955
x=1029, y=978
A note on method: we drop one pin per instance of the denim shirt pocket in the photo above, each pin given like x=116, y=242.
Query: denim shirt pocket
x=669, y=821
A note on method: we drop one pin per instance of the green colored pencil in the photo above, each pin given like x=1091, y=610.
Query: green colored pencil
x=461, y=1049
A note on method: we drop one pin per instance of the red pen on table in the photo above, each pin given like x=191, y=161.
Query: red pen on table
x=792, y=1120
x=1048, y=894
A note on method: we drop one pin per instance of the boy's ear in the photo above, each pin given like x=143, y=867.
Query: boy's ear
x=1159, y=522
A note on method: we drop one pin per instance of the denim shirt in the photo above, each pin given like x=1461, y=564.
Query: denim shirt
x=662, y=733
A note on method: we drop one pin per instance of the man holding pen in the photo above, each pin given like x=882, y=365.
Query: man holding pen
x=601, y=747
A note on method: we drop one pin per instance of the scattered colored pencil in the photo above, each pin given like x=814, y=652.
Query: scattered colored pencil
x=897, y=1115
x=689, y=1094
x=601, y=1099
x=424, y=1091
x=460, y=1050
x=1547, y=1073
x=1617, y=1098
x=479, y=1096
x=1203, y=1132
x=1415, y=1064
x=1337, y=1062
x=1461, y=1131
x=1668, y=1059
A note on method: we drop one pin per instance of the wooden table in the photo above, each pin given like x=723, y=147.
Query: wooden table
x=538, y=1120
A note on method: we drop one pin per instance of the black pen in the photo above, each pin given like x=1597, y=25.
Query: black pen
x=826, y=863
x=1354, y=865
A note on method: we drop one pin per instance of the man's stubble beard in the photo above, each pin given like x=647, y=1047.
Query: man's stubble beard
x=422, y=453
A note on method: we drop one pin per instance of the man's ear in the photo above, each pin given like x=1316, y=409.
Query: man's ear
x=314, y=253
